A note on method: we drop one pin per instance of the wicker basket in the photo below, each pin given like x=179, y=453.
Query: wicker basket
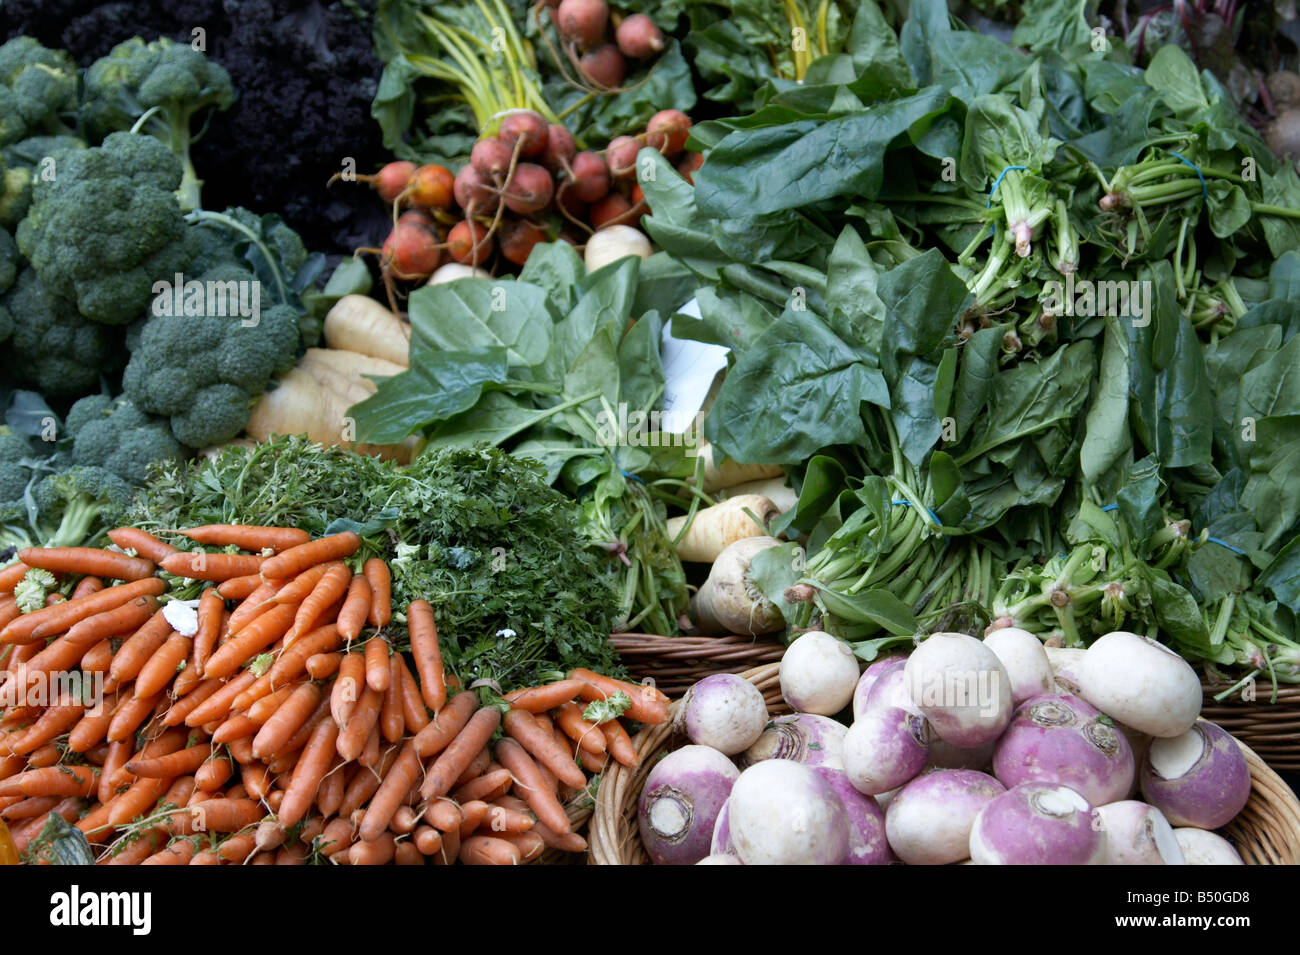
x=676, y=663
x=1266, y=832
x=1271, y=729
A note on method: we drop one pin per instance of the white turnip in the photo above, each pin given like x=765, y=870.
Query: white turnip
x=885, y=748
x=784, y=813
x=1037, y=824
x=867, y=842
x=802, y=737
x=929, y=820
x=1025, y=660
x=1140, y=683
x=961, y=687
x=613, y=243
x=680, y=804
x=818, y=674
x=944, y=755
x=1206, y=848
x=726, y=712
x=1198, y=779
x=1066, y=663
x=1061, y=740
x=1138, y=834
x=729, y=601
x=721, y=843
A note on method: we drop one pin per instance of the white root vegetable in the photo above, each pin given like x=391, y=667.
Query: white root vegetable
x=1140, y=683
x=818, y=674
x=929, y=820
x=730, y=473
x=783, y=813
x=612, y=243
x=715, y=528
x=869, y=678
x=726, y=712
x=680, y=803
x=1066, y=663
x=1025, y=660
x=729, y=602
x=358, y=323
x=885, y=748
x=803, y=737
x=1138, y=834
x=962, y=688
x=890, y=689
x=1206, y=848
x=455, y=270
x=1037, y=824
x=1199, y=778
x=774, y=489
x=867, y=842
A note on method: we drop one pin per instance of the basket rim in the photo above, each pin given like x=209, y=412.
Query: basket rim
x=1267, y=831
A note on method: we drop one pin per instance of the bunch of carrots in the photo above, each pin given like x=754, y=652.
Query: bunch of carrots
x=275, y=722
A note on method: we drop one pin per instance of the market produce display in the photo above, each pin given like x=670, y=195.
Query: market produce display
x=387, y=386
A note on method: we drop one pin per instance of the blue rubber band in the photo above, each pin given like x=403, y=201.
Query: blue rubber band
x=1205, y=193
x=629, y=474
x=1212, y=540
x=993, y=230
x=1110, y=507
x=933, y=516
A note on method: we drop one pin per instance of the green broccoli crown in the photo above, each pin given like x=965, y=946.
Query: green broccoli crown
x=116, y=435
x=36, y=86
x=14, y=475
x=8, y=261
x=54, y=348
x=204, y=369
x=107, y=227
x=70, y=503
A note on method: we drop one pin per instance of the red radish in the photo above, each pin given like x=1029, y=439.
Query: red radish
x=529, y=190
x=527, y=126
x=517, y=240
x=491, y=157
x=638, y=37
x=621, y=156
x=667, y=131
x=411, y=251
x=474, y=191
x=612, y=210
x=560, y=148
x=583, y=21
x=431, y=187
x=590, y=177
x=604, y=66
x=688, y=164
x=391, y=179
x=469, y=243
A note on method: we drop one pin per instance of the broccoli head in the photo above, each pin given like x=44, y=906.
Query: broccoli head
x=14, y=474
x=18, y=164
x=107, y=227
x=8, y=262
x=116, y=435
x=37, y=85
x=165, y=81
x=54, y=349
x=204, y=369
x=76, y=504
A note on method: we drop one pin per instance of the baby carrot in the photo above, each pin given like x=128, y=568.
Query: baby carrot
x=332, y=585
x=160, y=670
x=237, y=588
x=200, y=565
x=356, y=607
x=539, y=699
x=378, y=669
x=142, y=542
x=381, y=591
x=50, y=621
x=297, y=559
x=248, y=642
x=460, y=752
x=247, y=536
x=87, y=560
x=427, y=654
x=87, y=586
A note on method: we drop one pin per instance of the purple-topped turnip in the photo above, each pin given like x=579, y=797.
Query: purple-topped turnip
x=867, y=842
x=961, y=687
x=862, y=692
x=1060, y=739
x=802, y=737
x=929, y=820
x=1037, y=824
x=885, y=748
x=1198, y=779
x=784, y=813
x=726, y=712
x=680, y=803
x=890, y=689
x=1025, y=660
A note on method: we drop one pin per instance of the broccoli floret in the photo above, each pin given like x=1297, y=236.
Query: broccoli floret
x=166, y=81
x=115, y=434
x=33, y=588
x=6, y=323
x=37, y=85
x=18, y=164
x=8, y=263
x=76, y=504
x=54, y=349
x=108, y=226
x=14, y=474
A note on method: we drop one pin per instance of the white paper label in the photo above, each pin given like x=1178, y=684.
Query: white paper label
x=689, y=370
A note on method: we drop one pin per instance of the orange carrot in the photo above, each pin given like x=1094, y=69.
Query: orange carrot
x=490, y=785
x=541, y=745
x=99, y=658
x=378, y=669
x=50, y=621
x=205, y=640
x=619, y=743
x=539, y=699
x=224, y=814
x=392, y=722
x=446, y=726
x=286, y=720
x=529, y=844
x=217, y=706
x=129, y=717
x=472, y=813
x=347, y=687
x=180, y=763
x=332, y=585
x=444, y=815
x=649, y=706
x=392, y=792
x=93, y=726
x=255, y=637
x=179, y=852
x=476, y=768
x=238, y=588
x=52, y=781
x=321, y=666
x=235, y=849
x=427, y=839
x=365, y=783
x=87, y=586
x=362, y=721
x=87, y=560
x=297, y=559
x=336, y=838
x=414, y=714
x=568, y=717
x=118, y=755
x=381, y=592
x=449, y=851
x=531, y=785
x=247, y=536
x=355, y=608
x=55, y=721
x=161, y=668
x=290, y=664
x=307, y=774
x=200, y=565
x=487, y=850
x=263, y=709
x=259, y=601
x=459, y=753
x=142, y=542
x=11, y=575
x=427, y=653
x=299, y=739
x=377, y=852
x=330, y=794
x=132, y=655
x=503, y=819
x=213, y=774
